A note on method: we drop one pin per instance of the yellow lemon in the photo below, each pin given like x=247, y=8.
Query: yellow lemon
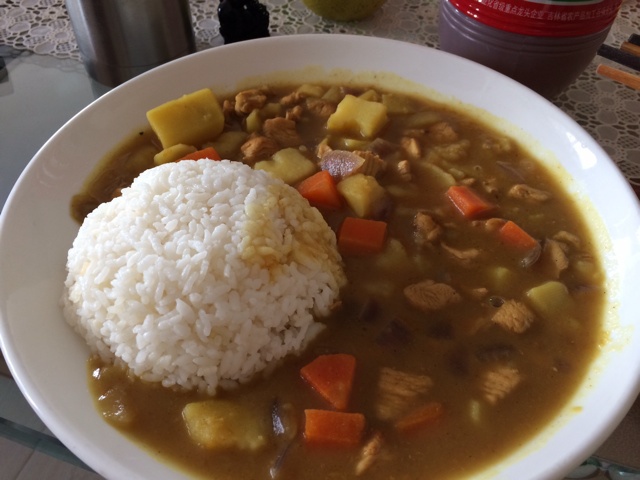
x=343, y=10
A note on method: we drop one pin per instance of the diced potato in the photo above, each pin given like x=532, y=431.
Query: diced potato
x=587, y=269
x=221, y=424
x=253, y=122
x=355, y=117
x=173, y=153
x=423, y=119
x=370, y=95
x=333, y=95
x=192, y=119
x=550, y=299
x=457, y=173
x=394, y=256
x=445, y=179
x=311, y=90
x=501, y=278
x=271, y=110
x=397, y=104
x=362, y=193
x=228, y=143
x=343, y=143
x=288, y=164
x=403, y=190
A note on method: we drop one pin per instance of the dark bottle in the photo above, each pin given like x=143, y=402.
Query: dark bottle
x=242, y=20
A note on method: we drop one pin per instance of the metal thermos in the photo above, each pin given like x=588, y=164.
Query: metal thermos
x=119, y=39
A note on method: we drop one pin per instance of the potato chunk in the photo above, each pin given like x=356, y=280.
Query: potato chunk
x=192, y=119
x=362, y=193
x=550, y=299
x=358, y=117
x=173, y=153
x=221, y=424
x=228, y=143
x=289, y=165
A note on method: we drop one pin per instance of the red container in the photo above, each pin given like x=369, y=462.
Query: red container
x=544, y=44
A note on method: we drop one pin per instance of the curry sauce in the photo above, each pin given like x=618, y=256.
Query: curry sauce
x=451, y=312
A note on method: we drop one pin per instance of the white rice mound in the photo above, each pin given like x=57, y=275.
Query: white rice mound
x=201, y=274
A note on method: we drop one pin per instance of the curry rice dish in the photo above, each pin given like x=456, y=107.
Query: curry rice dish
x=370, y=284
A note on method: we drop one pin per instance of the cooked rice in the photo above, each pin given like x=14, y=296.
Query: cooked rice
x=201, y=274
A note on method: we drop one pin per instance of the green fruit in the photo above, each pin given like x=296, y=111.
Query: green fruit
x=343, y=10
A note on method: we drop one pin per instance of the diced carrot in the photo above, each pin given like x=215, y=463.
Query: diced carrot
x=320, y=190
x=468, y=202
x=513, y=235
x=420, y=417
x=361, y=236
x=332, y=377
x=326, y=427
x=208, y=152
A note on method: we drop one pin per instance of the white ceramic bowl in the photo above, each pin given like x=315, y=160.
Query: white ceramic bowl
x=48, y=360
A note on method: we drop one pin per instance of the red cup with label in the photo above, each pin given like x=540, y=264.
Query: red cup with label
x=543, y=44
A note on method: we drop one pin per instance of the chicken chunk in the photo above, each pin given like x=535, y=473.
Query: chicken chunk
x=529, y=194
x=478, y=292
x=426, y=229
x=258, y=147
x=229, y=109
x=370, y=453
x=374, y=165
x=490, y=185
x=452, y=151
x=249, y=100
x=555, y=255
x=283, y=131
x=429, y=295
x=411, y=147
x=499, y=382
x=465, y=257
x=320, y=108
x=397, y=392
x=568, y=238
x=490, y=225
x=443, y=132
x=514, y=316
x=497, y=145
x=404, y=170
x=294, y=98
x=294, y=113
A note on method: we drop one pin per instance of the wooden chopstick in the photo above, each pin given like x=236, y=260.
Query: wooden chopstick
x=626, y=78
x=634, y=39
x=618, y=56
x=631, y=48
x=628, y=55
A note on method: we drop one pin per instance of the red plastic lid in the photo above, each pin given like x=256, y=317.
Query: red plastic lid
x=548, y=18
